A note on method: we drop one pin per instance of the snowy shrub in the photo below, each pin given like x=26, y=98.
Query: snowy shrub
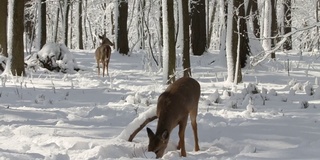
x=292, y=82
x=231, y=104
x=226, y=94
x=130, y=99
x=317, y=93
x=251, y=88
x=284, y=98
x=54, y=57
x=272, y=92
x=263, y=95
x=292, y=92
x=297, y=87
x=308, y=89
x=304, y=104
x=214, y=97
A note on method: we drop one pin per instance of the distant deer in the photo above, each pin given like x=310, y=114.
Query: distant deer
x=174, y=106
x=103, y=53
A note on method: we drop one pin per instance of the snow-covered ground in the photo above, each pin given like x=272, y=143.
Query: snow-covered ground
x=55, y=116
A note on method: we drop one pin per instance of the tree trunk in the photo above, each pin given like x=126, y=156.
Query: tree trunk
x=141, y=20
x=243, y=33
x=69, y=27
x=213, y=14
x=15, y=45
x=121, y=27
x=169, y=52
x=43, y=24
x=65, y=17
x=3, y=27
x=56, y=26
x=79, y=25
x=232, y=48
x=274, y=26
x=160, y=23
x=253, y=10
x=198, y=26
x=287, y=24
x=184, y=12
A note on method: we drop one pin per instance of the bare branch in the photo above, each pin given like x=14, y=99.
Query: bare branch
x=255, y=60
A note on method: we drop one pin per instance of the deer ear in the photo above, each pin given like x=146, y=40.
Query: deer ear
x=165, y=135
x=150, y=133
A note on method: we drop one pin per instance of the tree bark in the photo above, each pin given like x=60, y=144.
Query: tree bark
x=274, y=26
x=79, y=25
x=253, y=10
x=287, y=24
x=198, y=27
x=169, y=52
x=121, y=28
x=65, y=19
x=232, y=42
x=213, y=14
x=43, y=24
x=15, y=46
x=3, y=27
x=243, y=33
x=184, y=9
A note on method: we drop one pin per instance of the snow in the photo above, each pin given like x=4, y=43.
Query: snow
x=51, y=115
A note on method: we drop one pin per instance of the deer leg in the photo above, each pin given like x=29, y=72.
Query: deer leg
x=104, y=68
x=107, y=64
x=182, y=128
x=193, y=118
x=98, y=65
x=108, y=58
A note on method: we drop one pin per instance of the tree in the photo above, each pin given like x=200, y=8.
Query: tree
x=65, y=4
x=274, y=26
x=184, y=25
x=42, y=32
x=79, y=25
x=3, y=27
x=213, y=12
x=56, y=25
x=233, y=41
x=121, y=27
x=243, y=33
x=287, y=23
x=270, y=26
x=253, y=8
x=140, y=23
x=169, y=52
x=198, y=26
x=15, y=38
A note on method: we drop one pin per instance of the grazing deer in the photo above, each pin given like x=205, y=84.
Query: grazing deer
x=103, y=53
x=174, y=106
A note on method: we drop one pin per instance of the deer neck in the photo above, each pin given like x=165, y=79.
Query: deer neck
x=165, y=123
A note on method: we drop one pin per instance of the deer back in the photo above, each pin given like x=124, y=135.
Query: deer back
x=103, y=52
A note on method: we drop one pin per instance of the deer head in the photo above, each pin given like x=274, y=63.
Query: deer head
x=158, y=144
x=105, y=40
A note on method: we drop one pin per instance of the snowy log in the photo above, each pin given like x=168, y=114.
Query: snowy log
x=138, y=124
x=54, y=57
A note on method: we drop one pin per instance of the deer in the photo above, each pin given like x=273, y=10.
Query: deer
x=103, y=53
x=174, y=106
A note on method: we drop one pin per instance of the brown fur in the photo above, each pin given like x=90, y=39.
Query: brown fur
x=174, y=106
x=103, y=53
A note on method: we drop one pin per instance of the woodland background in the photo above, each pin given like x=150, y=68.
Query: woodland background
x=247, y=31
